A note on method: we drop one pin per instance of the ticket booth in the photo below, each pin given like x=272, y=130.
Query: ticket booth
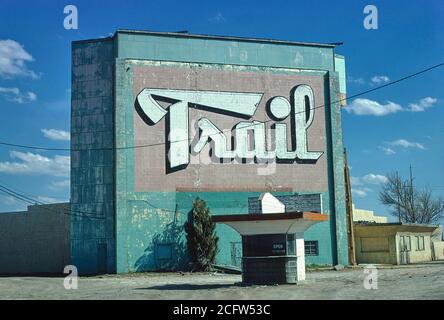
x=272, y=244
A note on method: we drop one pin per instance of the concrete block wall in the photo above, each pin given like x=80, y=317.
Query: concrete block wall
x=92, y=157
x=336, y=177
x=35, y=241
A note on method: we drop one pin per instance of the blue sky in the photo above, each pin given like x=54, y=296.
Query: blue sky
x=384, y=131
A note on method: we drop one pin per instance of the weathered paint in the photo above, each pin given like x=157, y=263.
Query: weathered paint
x=380, y=243
x=143, y=230
x=92, y=176
x=340, y=69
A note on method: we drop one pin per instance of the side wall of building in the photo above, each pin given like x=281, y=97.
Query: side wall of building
x=92, y=157
x=375, y=245
x=35, y=241
x=336, y=179
x=438, y=250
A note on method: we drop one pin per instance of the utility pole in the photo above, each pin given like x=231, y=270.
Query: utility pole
x=412, y=200
x=399, y=190
x=349, y=213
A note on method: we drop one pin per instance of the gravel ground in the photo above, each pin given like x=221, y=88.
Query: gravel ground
x=406, y=282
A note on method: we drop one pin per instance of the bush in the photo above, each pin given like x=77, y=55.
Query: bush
x=201, y=237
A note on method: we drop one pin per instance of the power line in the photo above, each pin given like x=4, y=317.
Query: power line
x=8, y=144
x=24, y=193
x=31, y=201
x=70, y=212
x=17, y=197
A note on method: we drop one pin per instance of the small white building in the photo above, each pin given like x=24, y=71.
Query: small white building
x=393, y=243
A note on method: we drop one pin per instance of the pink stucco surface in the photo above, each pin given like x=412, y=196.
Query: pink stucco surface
x=201, y=174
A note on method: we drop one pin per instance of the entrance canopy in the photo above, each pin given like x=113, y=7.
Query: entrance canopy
x=271, y=223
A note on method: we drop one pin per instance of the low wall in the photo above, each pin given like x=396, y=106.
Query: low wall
x=35, y=241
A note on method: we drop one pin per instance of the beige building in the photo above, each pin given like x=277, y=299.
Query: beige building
x=393, y=243
x=438, y=244
x=360, y=215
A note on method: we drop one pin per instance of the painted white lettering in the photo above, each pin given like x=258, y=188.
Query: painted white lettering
x=249, y=136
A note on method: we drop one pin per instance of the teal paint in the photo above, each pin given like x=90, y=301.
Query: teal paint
x=143, y=230
x=201, y=50
x=340, y=69
x=92, y=182
x=337, y=159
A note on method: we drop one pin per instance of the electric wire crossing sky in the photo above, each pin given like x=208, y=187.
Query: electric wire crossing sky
x=243, y=105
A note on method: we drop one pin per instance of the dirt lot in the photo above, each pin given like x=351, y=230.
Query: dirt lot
x=408, y=282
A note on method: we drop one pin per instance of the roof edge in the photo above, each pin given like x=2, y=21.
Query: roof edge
x=401, y=224
x=211, y=37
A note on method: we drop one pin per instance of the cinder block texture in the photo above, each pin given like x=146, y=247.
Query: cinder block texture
x=35, y=241
x=92, y=157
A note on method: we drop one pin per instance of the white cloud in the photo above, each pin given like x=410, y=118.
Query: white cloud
x=406, y=144
x=374, y=178
x=360, y=192
x=35, y=164
x=387, y=150
x=351, y=79
x=363, y=107
x=13, y=59
x=47, y=200
x=355, y=181
x=370, y=178
x=8, y=200
x=15, y=95
x=422, y=104
x=360, y=185
x=218, y=18
x=9, y=203
x=60, y=184
x=54, y=134
x=380, y=79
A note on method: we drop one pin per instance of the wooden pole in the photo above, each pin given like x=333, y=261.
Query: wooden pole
x=349, y=213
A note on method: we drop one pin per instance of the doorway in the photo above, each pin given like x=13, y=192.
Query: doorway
x=404, y=249
x=102, y=258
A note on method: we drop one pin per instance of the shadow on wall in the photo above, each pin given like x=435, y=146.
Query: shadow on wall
x=166, y=252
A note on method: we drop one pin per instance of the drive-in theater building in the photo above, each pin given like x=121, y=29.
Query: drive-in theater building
x=159, y=119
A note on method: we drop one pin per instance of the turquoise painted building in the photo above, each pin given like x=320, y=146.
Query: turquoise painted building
x=133, y=178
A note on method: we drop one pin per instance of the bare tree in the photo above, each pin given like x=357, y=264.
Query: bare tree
x=429, y=209
x=409, y=204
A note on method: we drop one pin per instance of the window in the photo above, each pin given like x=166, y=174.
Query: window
x=420, y=243
x=311, y=248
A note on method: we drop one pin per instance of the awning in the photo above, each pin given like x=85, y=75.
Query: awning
x=271, y=223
